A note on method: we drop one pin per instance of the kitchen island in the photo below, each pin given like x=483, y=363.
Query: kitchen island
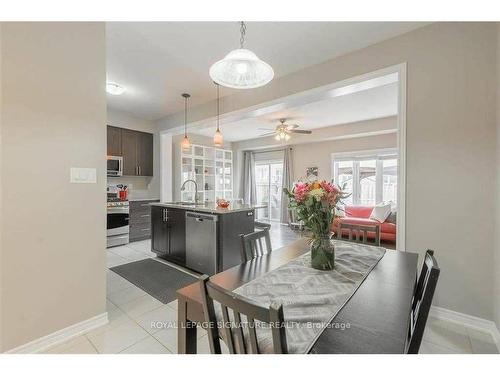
x=202, y=237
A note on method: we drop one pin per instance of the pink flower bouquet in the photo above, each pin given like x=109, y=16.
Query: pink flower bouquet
x=314, y=204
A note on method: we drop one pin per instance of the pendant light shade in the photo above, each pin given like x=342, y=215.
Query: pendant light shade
x=218, y=138
x=185, y=144
x=241, y=68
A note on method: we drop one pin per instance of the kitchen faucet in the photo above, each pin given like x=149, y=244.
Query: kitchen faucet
x=183, y=187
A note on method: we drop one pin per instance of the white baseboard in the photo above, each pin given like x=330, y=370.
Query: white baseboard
x=467, y=321
x=58, y=337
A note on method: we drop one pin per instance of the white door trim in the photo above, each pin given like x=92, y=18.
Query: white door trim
x=401, y=145
x=166, y=167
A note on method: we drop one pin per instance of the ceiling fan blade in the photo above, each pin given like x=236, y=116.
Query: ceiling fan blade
x=267, y=134
x=291, y=126
x=300, y=131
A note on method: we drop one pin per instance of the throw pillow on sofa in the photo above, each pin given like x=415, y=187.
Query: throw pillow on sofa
x=381, y=212
x=392, y=218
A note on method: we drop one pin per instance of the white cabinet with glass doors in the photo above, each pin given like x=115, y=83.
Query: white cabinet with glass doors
x=211, y=168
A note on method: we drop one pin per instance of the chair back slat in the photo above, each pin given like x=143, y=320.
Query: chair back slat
x=227, y=329
x=253, y=337
x=422, y=301
x=238, y=330
x=209, y=313
x=279, y=335
x=255, y=244
x=244, y=313
x=359, y=233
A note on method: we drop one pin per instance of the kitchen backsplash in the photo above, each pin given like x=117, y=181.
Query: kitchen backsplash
x=139, y=187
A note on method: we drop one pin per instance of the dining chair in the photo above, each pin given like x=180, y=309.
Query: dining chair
x=255, y=244
x=422, y=300
x=359, y=233
x=229, y=325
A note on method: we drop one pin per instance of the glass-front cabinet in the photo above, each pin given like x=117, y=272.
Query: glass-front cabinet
x=212, y=169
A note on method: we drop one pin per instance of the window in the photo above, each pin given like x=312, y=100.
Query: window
x=370, y=178
x=344, y=177
x=268, y=179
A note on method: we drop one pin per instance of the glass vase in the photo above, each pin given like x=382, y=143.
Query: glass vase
x=322, y=253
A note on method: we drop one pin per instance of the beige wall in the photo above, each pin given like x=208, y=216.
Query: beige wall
x=450, y=145
x=53, y=117
x=1, y=207
x=496, y=297
x=139, y=187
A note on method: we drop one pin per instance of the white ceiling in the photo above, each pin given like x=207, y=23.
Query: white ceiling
x=366, y=104
x=158, y=61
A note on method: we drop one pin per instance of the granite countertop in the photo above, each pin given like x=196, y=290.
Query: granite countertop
x=210, y=207
x=142, y=199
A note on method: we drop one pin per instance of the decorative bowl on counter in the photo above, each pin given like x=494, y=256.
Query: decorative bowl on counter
x=222, y=203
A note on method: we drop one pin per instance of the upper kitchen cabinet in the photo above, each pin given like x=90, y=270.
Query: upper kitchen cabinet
x=145, y=153
x=135, y=147
x=129, y=153
x=114, y=141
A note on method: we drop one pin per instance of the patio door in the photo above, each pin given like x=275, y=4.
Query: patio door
x=268, y=178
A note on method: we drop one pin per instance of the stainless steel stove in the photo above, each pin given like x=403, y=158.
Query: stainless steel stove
x=117, y=222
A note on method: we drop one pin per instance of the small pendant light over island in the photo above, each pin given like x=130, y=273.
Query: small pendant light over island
x=186, y=144
x=218, y=138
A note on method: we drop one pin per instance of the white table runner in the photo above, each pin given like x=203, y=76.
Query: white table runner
x=311, y=298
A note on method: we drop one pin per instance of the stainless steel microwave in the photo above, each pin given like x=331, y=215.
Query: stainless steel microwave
x=115, y=165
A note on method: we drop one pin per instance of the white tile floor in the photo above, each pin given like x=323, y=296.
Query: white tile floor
x=131, y=313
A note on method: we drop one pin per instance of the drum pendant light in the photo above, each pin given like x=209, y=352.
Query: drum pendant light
x=241, y=68
x=218, y=138
x=185, y=144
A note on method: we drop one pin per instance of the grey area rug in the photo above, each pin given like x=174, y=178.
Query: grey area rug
x=311, y=298
x=155, y=278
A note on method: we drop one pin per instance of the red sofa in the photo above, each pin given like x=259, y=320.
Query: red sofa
x=361, y=215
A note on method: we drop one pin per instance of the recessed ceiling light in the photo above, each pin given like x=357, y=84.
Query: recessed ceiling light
x=114, y=88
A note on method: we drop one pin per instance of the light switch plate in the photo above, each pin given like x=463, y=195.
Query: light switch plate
x=83, y=175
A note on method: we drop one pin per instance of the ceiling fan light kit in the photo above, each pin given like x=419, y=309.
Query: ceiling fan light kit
x=283, y=131
x=241, y=68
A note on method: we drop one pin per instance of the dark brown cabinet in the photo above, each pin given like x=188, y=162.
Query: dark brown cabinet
x=129, y=152
x=145, y=153
x=135, y=147
x=160, y=231
x=114, y=137
x=168, y=234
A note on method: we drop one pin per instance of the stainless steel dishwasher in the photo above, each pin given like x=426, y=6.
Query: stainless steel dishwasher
x=201, y=242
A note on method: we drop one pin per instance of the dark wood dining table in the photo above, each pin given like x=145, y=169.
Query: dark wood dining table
x=374, y=320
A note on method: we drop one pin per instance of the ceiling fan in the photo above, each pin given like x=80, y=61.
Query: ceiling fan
x=283, y=131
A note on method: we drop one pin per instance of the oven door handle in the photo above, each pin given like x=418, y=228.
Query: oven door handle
x=118, y=210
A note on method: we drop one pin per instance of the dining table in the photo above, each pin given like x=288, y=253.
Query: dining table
x=375, y=319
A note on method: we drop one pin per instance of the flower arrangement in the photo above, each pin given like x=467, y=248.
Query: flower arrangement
x=314, y=203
